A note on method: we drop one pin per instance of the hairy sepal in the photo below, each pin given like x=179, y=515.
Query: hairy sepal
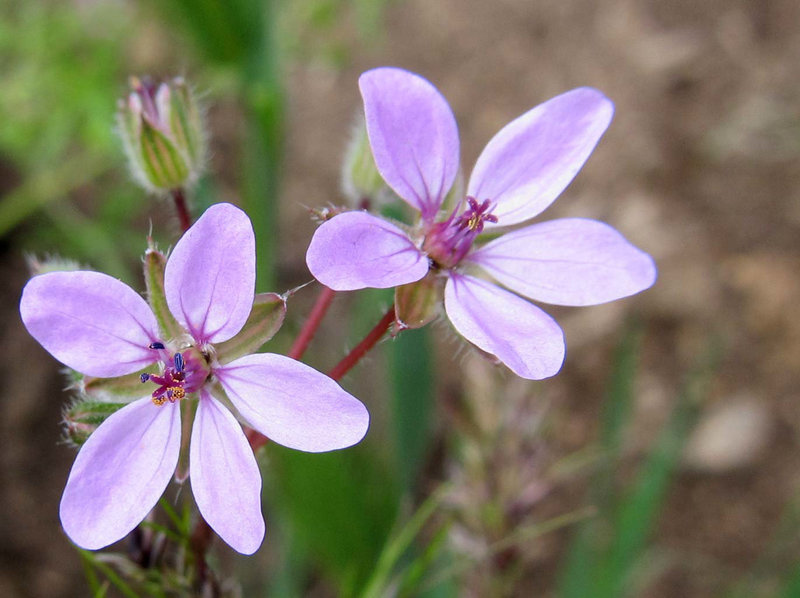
x=266, y=318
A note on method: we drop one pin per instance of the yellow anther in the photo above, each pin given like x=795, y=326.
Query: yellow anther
x=177, y=393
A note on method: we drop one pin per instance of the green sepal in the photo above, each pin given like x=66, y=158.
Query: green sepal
x=82, y=418
x=154, y=264
x=185, y=122
x=121, y=388
x=266, y=318
x=163, y=163
x=417, y=303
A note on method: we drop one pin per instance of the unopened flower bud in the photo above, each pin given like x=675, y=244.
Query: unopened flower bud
x=362, y=184
x=162, y=131
x=51, y=263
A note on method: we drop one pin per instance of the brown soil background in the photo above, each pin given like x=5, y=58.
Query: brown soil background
x=699, y=168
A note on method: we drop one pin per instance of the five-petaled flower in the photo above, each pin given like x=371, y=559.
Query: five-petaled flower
x=99, y=326
x=522, y=170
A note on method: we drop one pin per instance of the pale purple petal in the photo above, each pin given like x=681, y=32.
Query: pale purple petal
x=356, y=250
x=413, y=135
x=534, y=157
x=120, y=473
x=572, y=261
x=225, y=479
x=211, y=275
x=518, y=333
x=89, y=321
x=293, y=404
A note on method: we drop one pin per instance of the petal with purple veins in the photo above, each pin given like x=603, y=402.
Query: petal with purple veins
x=531, y=160
x=89, y=321
x=413, y=136
x=210, y=276
x=226, y=483
x=517, y=332
x=356, y=250
x=293, y=404
x=120, y=473
x=571, y=261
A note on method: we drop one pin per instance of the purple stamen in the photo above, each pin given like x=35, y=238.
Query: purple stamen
x=156, y=345
x=144, y=377
x=178, y=360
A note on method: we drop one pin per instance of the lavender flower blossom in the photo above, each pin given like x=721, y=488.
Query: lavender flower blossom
x=99, y=326
x=523, y=169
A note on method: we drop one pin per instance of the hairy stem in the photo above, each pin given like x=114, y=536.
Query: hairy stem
x=361, y=349
x=179, y=197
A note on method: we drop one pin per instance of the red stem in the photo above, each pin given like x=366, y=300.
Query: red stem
x=361, y=349
x=180, y=205
x=312, y=323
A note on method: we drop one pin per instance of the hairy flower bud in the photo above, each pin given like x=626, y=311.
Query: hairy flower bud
x=51, y=263
x=362, y=184
x=162, y=131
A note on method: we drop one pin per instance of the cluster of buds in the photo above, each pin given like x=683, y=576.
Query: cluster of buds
x=162, y=132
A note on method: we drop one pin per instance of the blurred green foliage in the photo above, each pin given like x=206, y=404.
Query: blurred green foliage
x=352, y=519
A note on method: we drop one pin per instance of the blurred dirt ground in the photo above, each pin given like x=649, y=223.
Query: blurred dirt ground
x=699, y=168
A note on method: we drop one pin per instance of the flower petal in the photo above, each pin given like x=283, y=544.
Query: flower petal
x=120, y=473
x=413, y=135
x=89, y=321
x=518, y=333
x=572, y=261
x=226, y=483
x=211, y=275
x=530, y=161
x=356, y=250
x=293, y=404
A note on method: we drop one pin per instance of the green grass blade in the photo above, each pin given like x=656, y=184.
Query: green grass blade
x=411, y=378
x=576, y=580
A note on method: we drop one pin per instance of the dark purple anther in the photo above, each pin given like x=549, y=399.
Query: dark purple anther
x=178, y=360
x=156, y=345
x=144, y=377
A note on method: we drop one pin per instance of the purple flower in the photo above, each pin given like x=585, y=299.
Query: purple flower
x=97, y=325
x=570, y=261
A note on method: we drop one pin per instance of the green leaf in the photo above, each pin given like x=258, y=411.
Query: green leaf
x=340, y=506
x=266, y=318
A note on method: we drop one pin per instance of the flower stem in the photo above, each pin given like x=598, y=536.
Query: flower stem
x=179, y=197
x=256, y=439
x=361, y=349
x=312, y=323
x=200, y=541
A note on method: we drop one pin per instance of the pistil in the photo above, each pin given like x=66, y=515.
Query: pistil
x=449, y=241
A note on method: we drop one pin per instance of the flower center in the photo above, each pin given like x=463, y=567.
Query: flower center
x=184, y=373
x=449, y=241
